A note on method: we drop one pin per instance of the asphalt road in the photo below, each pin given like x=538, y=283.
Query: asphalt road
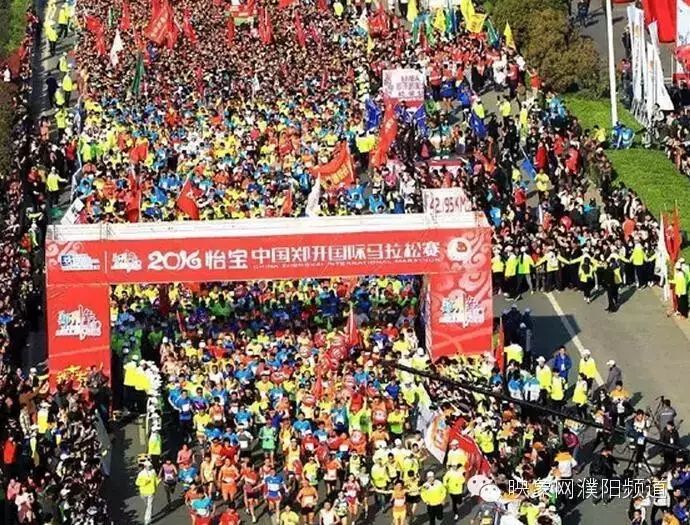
x=651, y=348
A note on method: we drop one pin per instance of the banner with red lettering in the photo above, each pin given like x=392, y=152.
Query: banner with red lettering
x=159, y=25
x=78, y=327
x=339, y=171
x=455, y=259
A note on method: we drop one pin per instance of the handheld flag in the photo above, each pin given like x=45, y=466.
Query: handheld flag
x=477, y=126
x=138, y=74
x=372, y=115
x=126, y=18
x=492, y=34
x=186, y=202
x=467, y=10
x=420, y=121
x=476, y=23
x=508, y=35
x=339, y=171
x=230, y=31
x=115, y=49
x=312, y=209
x=412, y=11
x=440, y=21
x=188, y=29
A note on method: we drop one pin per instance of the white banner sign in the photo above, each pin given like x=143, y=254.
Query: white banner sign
x=403, y=84
x=682, y=35
x=637, y=44
x=445, y=201
x=661, y=95
x=72, y=213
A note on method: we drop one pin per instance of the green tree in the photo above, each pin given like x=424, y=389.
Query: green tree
x=564, y=58
x=521, y=14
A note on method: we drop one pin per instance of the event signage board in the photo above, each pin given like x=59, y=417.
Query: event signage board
x=82, y=262
x=403, y=85
x=445, y=200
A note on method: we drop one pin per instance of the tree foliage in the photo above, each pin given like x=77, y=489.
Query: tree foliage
x=564, y=58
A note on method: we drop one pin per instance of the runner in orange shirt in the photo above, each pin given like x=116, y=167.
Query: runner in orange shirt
x=307, y=497
x=227, y=480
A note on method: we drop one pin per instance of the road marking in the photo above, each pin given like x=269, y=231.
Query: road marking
x=571, y=332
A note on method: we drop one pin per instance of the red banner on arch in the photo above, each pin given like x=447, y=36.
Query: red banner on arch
x=456, y=261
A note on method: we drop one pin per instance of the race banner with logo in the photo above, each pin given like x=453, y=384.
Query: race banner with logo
x=404, y=85
x=456, y=260
x=78, y=326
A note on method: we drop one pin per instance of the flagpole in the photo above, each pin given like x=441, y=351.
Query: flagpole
x=612, y=64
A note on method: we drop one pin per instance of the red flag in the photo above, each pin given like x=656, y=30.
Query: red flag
x=664, y=12
x=93, y=24
x=315, y=34
x=163, y=299
x=126, y=18
x=322, y=5
x=285, y=3
x=186, y=202
x=286, y=208
x=133, y=210
x=389, y=130
x=683, y=56
x=180, y=322
x=173, y=32
x=188, y=29
x=299, y=31
x=339, y=171
x=672, y=235
x=352, y=331
x=499, y=353
x=265, y=26
x=159, y=25
x=230, y=31
x=324, y=79
x=476, y=462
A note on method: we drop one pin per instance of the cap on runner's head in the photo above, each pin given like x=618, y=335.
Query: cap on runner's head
x=398, y=442
x=541, y=359
x=610, y=362
x=586, y=352
x=429, y=474
x=455, y=442
x=165, y=339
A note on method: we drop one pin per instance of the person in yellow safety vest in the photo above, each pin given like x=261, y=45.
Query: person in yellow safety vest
x=557, y=391
x=510, y=274
x=61, y=120
x=638, y=259
x=497, y=269
x=365, y=142
x=155, y=448
x=63, y=20
x=456, y=455
x=543, y=184
x=454, y=481
x=51, y=36
x=147, y=482
x=434, y=496
x=67, y=86
x=580, y=396
x=485, y=440
x=515, y=353
x=63, y=64
x=680, y=288
x=585, y=272
x=505, y=108
x=543, y=375
x=338, y=8
x=380, y=481
x=553, y=263
x=588, y=367
x=59, y=98
x=478, y=108
x=53, y=181
x=524, y=272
